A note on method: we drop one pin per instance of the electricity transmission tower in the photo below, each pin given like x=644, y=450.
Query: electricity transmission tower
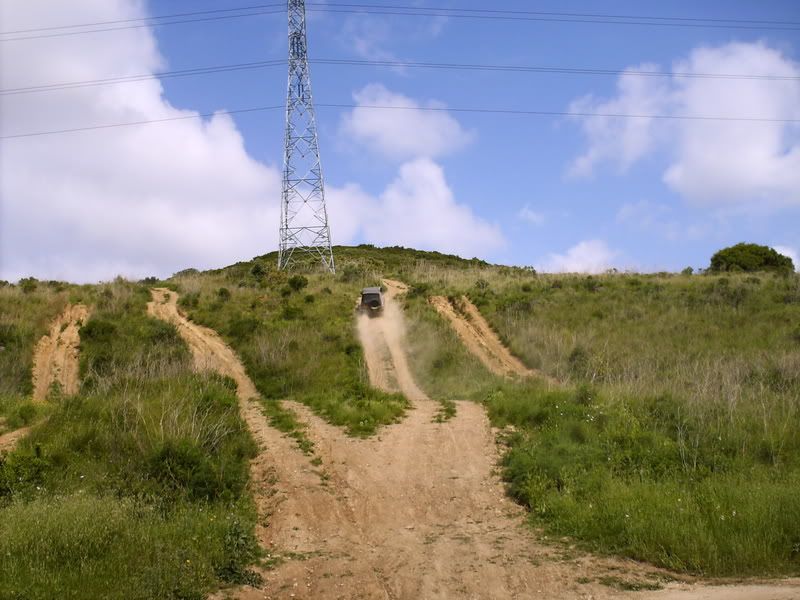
x=304, y=218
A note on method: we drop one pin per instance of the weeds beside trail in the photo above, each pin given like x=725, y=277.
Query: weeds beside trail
x=26, y=312
x=134, y=488
x=676, y=437
x=296, y=337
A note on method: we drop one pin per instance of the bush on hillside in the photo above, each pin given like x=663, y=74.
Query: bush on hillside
x=750, y=257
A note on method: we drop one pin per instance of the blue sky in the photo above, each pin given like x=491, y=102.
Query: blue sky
x=652, y=196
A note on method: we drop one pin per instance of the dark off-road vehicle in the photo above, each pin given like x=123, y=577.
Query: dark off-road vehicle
x=371, y=301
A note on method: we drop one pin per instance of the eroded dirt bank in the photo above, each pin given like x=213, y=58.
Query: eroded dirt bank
x=414, y=513
x=480, y=339
x=55, y=361
x=55, y=358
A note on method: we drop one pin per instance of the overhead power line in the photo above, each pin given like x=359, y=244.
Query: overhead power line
x=142, y=77
x=132, y=123
x=147, y=20
x=497, y=111
x=399, y=10
x=540, y=69
x=210, y=70
x=522, y=16
x=141, y=25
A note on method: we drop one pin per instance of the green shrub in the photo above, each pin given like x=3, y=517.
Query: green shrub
x=750, y=257
x=297, y=282
x=28, y=285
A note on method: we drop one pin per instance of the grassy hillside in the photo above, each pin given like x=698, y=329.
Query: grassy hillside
x=134, y=488
x=674, y=436
x=25, y=315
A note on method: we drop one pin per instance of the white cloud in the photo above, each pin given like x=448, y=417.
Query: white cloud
x=417, y=209
x=791, y=253
x=154, y=199
x=367, y=36
x=660, y=219
x=622, y=141
x=370, y=36
x=752, y=166
x=402, y=134
x=589, y=256
x=527, y=214
x=136, y=200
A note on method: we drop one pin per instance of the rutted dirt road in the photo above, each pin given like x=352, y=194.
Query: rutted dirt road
x=414, y=513
x=9, y=439
x=279, y=460
x=55, y=359
x=480, y=339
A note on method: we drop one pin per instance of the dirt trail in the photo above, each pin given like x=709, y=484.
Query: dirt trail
x=415, y=513
x=55, y=358
x=9, y=439
x=480, y=339
x=280, y=473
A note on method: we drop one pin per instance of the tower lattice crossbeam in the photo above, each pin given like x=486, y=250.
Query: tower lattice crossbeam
x=304, y=218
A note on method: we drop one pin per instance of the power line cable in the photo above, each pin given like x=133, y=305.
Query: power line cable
x=559, y=14
x=401, y=10
x=131, y=123
x=176, y=22
x=416, y=12
x=142, y=77
x=151, y=18
x=210, y=70
x=415, y=108
x=539, y=69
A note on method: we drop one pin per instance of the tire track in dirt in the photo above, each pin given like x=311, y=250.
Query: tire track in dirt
x=480, y=339
x=414, y=513
x=8, y=440
x=55, y=359
x=420, y=512
x=299, y=513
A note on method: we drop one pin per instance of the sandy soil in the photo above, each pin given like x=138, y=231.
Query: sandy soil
x=55, y=358
x=9, y=439
x=414, y=513
x=480, y=339
x=279, y=459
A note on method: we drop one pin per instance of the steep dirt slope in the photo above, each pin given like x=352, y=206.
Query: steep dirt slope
x=480, y=339
x=55, y=360
x=416, y=512
x=279, y=472
x=56, y=356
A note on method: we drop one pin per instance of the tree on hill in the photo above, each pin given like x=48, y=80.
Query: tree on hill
x=750, y=257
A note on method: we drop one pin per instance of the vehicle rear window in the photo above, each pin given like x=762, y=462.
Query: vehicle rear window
x=370, y=298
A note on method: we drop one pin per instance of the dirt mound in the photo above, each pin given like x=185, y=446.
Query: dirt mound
x=55, y=358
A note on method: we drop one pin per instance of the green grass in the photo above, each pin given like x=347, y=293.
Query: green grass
x=135, y=487
x=675, y=438
x=297, y=344
x=25, y=316
x=88, y=547
x=619, y=476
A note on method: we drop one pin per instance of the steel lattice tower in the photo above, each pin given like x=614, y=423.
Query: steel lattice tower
x=304, y=218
